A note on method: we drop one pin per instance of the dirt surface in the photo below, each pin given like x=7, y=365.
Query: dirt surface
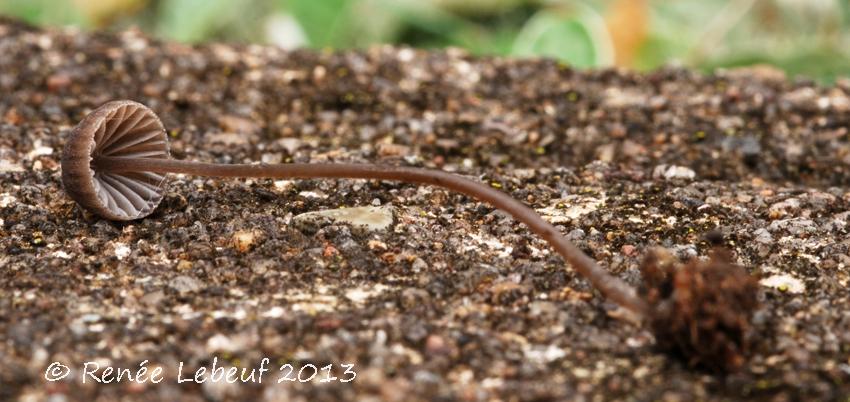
x=453, y=301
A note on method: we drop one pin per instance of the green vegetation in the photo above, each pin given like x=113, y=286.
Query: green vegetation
x=807, y=37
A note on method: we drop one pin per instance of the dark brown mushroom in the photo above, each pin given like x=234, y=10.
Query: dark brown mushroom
x=115, y=161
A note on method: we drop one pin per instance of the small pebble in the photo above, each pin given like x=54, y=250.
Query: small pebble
x=244, y=240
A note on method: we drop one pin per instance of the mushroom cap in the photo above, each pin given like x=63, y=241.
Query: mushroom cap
x=118, y=128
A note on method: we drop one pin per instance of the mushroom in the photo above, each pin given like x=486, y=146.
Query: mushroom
x=119, y=129
x=114, y=165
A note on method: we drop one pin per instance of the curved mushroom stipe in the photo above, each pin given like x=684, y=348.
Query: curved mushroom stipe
x=94, y=159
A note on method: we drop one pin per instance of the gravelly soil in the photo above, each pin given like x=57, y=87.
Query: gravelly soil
x=454, y=301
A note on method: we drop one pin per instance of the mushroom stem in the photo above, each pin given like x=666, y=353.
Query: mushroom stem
x=611, y=287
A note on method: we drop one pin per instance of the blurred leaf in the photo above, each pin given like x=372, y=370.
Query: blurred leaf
x=355, y=23
x=324, y=21
x=656, y=51
x=492, y=34
x=477, y=7
x=415, y=22
x=498, y=41
x=577, y=36
x=844, y=6
x=675, y=27
x=43, y=12
x=194, y=20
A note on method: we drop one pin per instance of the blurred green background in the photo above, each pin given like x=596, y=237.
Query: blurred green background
x=801, y=37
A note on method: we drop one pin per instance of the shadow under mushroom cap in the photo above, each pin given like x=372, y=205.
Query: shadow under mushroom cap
x=118, y=128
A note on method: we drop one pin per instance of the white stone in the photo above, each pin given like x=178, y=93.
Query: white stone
x=6, y=200
x=672, y=172
x=7, y=166
x=785, y=283
x=274, y=312
x=61, y=254
x=362, y=294
x=544, y=354
x=371, y=218
x=569, y=208
x=313, y=194
x=39, y=149
x=121, y=251
x=185, y=284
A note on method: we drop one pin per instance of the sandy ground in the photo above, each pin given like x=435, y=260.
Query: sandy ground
x=448, y=299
